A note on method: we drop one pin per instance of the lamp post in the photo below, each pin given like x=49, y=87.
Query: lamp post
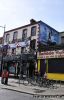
x=2, y=48
x=3, y=28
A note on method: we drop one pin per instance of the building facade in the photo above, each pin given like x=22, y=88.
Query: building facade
x=26, y=39
x=62, y=37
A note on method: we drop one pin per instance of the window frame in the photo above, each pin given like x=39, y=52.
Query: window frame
x=33, y=44
x=14, y=51
x=7, y=37
x=33, y=34
x=15, y=34
x=24, y=35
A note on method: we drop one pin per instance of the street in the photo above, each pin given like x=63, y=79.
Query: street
x=13, y=95
x=14, y=91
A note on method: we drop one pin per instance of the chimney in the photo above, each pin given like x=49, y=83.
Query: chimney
x=32, y=21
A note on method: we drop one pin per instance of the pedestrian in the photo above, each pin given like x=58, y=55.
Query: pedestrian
x=27, y=67
x=18, y=70
x=45, y=76
x=5, y=75
x=36, y=71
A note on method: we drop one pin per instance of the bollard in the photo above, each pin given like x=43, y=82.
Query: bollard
x=60, y=83
x=56, y=83
x=19, y=79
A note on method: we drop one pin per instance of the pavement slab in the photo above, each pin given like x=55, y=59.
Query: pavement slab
x=36, y=91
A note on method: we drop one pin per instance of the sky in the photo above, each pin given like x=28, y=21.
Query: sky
x=16, y=13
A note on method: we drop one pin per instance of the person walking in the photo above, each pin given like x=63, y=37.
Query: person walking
x=5, y=75
x=27, y=67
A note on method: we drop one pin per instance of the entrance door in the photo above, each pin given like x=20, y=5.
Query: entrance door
x=43, y=66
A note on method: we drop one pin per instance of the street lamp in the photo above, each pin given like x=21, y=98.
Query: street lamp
x=3, y=28
x=2, y=47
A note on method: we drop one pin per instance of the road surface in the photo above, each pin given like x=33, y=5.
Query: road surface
x=13, y=95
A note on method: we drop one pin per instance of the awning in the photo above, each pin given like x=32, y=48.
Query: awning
x=11, y=58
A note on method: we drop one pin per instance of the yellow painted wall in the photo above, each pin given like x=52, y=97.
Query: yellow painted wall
x=46, y=65
x=54, y=76
x=51, y=76
x=38, y=65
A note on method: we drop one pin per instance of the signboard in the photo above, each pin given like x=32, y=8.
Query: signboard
x=50, y=54
x=11, y=58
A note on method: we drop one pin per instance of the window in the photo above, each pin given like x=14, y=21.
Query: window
x=22, y=49
x=15, y=35
x=7, y=37
x=13, y=51
x=62, y=39
x=24, y=35
x=33, y=31
x=32, y=44
x=4, y=52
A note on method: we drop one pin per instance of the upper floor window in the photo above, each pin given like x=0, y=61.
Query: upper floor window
x=24, y=35
x=22, y=49
x=7, y=37
x=15, y=35
x=33, y=31
x=13, y=51
x=62, y=39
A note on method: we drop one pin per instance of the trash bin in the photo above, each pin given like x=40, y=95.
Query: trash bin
x=4, y=78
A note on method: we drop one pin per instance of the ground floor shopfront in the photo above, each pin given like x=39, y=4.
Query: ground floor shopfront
x=19, y=64
x=51, y=62
x=11, y=63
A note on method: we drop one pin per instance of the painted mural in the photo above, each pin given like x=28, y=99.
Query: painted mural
x=48, y=34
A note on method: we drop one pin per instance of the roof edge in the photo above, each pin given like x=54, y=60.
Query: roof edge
x=23, y=26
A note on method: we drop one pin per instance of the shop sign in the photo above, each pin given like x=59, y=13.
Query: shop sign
x=11, y=58
x=50, y=54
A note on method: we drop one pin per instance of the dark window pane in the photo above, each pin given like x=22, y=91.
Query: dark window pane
x=7, y=37
x=33, y=31
x=32, y=44
x=13, y=51
x=24, y=35
x=15, y=35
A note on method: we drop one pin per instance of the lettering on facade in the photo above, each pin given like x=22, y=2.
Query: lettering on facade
x=50, y=54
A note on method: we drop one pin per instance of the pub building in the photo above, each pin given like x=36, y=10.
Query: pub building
x=27, y=38
x=51, y=60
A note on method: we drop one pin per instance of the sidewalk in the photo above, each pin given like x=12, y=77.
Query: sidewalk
x=33, y=90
